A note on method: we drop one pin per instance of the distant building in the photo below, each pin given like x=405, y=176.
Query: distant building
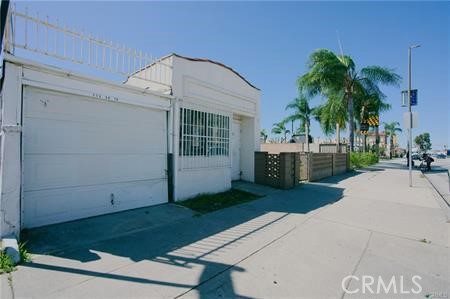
x=300, y=138
x=371, y=140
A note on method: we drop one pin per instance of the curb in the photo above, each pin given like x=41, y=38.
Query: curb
x=443, y=203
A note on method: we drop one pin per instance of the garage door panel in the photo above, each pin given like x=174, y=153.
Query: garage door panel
x=88, y=138
x=46, y=207
x=61, y=171
x=47, y=104
x=79, y=153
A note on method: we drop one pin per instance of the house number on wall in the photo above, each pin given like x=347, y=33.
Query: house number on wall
x=105, y=97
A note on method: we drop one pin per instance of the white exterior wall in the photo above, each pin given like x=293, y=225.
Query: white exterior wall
x=211, y=87
x=149, y=77
x=10, y=155
x=216, y=87
x=194, y=84
x=20, y=73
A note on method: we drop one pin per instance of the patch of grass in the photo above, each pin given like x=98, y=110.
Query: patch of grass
x=361, y=160
x=6, y=263
x=206, y=203
x=25, y=256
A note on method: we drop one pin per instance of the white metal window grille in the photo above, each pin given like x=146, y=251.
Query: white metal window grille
x=204, y=139
x=37, y=34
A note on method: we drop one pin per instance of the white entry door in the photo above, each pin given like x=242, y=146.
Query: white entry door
x=236, y=151
x=85, y=157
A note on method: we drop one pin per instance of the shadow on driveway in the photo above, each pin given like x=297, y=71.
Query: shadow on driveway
x=185, y=242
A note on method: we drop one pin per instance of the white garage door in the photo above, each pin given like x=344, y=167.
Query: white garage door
x=85, y=157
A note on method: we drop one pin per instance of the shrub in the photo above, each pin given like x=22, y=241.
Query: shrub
x=360, y=160
x=6, y=263
x=25, y=256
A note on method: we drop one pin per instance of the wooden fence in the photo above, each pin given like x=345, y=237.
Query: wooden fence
x=341, y=163
x=276, y=148
x=286, y=170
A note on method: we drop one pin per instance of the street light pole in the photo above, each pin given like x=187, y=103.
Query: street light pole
x=410, y=115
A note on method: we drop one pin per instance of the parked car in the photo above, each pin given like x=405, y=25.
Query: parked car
x=416, y=156
x=441, y=156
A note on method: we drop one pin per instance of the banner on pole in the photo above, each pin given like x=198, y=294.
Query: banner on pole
x=413, y=97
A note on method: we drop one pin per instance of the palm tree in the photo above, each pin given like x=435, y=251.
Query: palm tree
x=391, y=130
x=280, y=128
x=263, y=134
x=330, y=72
x=378, y=105
x=370, y=104
x=332, y=116
x=301, y=112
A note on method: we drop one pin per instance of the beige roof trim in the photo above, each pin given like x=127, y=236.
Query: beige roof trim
x=201, y=60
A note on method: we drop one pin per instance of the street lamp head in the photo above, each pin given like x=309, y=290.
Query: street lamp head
x=414, y=46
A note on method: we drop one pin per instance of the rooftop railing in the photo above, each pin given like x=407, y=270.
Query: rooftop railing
x=38, y=34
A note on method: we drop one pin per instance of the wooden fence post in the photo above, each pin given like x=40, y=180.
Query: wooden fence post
x=286, y=171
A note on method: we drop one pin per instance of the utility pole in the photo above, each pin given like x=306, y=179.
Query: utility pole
x=410, y=115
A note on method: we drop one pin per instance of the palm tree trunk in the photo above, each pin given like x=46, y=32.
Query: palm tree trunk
x=351, y=133
x=391, y=146
x=377, y=140
x=292, y=128
x=364, y=142
x=338, y=138
x=307, y=136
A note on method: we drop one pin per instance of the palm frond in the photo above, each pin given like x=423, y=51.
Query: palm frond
x=382, y=75
x=391, y=128
x=325, y=70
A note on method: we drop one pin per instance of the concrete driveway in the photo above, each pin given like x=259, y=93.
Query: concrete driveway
x=299, y=243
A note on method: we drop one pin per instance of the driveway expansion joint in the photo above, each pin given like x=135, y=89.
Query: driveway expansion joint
x=357, y=264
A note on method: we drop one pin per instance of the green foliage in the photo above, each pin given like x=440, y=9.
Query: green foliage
x=361, y=160
x=301, y=111
x=358, y=90
x=280, y=128
x=205, y=203
x=332, y=112
x=263, y=134
x=423, y=141
x=25, y=256
x=392, y=128
x=6, y=263
x=367, y=104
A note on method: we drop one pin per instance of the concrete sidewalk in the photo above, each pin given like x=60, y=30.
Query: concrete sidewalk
x=299, y=243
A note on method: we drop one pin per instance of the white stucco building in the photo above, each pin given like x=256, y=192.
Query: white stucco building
x=215, y=123
x=74, y=146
